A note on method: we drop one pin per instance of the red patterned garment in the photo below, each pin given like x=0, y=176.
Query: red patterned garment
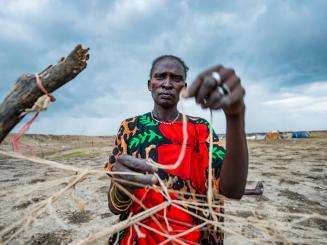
x=144, y=137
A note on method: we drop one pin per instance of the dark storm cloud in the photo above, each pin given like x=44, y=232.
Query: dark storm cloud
x=277, y=47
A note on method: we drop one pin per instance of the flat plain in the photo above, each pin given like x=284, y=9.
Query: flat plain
x=293, y=172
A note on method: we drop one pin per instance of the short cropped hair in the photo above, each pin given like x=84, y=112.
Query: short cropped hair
x=168, y=56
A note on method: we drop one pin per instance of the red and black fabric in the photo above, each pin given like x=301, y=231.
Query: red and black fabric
x=144, y=137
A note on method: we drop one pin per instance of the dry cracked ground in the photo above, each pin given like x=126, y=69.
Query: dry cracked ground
x=293, y=172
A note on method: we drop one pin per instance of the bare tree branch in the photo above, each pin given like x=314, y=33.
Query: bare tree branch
x=25, y=91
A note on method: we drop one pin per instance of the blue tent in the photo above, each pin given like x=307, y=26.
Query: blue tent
x=301, y=134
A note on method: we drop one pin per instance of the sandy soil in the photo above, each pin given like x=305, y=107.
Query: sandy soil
x=293, y=171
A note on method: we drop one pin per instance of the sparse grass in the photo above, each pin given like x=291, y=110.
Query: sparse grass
x=75, y=154
x=3, y=157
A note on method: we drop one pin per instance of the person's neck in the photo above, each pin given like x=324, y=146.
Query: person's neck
x=165, y=114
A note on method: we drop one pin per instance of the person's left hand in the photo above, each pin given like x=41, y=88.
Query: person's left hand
x=225, y=93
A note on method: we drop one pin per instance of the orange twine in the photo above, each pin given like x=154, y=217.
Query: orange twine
x=16, y=138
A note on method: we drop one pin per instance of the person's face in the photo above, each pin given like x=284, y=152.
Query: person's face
x=167, y=80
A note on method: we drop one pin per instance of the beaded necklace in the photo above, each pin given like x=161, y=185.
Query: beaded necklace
x=163, y=122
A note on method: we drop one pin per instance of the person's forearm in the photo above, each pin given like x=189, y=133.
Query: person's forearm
x=253, y=192
x=234, y=170
x=258, y=190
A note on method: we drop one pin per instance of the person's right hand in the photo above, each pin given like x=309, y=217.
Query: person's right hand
x=143, y=172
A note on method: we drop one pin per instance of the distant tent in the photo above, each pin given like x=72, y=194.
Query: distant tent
x=301, y=134
x=286, y=135
x=272, y=135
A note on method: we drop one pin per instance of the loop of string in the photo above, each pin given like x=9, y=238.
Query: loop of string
x=40, y=105
x=182, y=154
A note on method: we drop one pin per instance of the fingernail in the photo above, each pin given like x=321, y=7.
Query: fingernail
x=154, y=180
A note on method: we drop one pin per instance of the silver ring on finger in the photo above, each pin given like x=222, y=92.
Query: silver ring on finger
x=216, y=76
x=222, y=87
x=225, y=89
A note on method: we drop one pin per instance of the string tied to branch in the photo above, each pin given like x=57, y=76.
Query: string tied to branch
x=42, y=88
x=41, y=104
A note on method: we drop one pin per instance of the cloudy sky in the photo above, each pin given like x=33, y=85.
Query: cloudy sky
x=278, y=48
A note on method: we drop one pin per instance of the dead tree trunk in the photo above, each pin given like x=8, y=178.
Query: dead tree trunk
x=25, y=91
